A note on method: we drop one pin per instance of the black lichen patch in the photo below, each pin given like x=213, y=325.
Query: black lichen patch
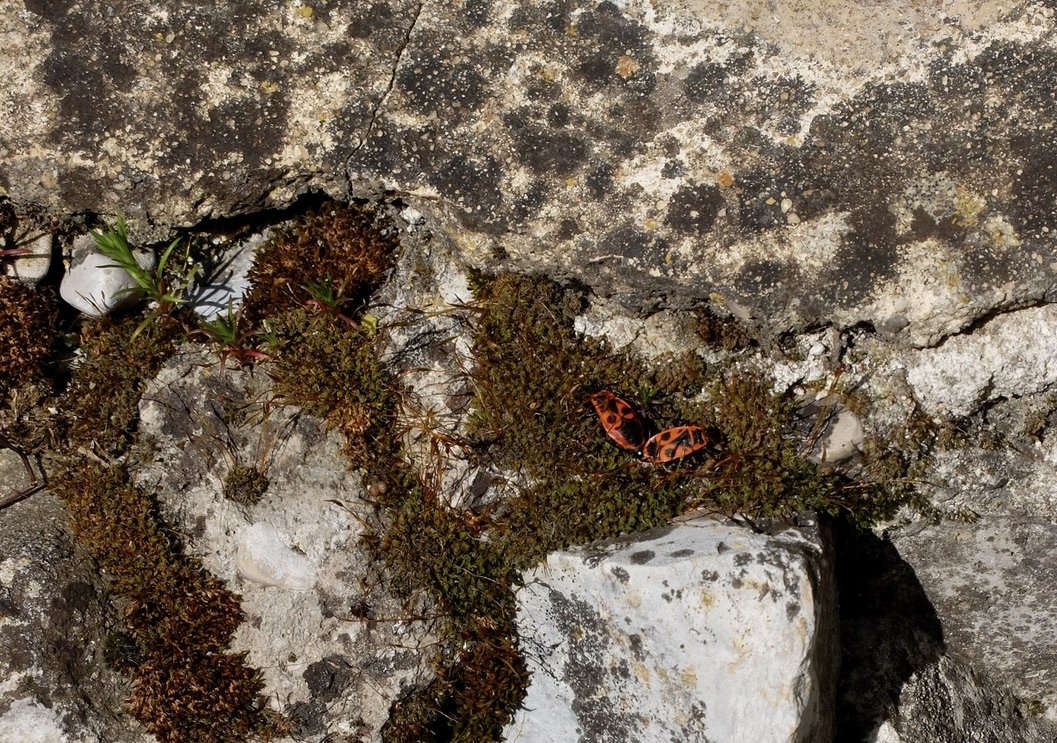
x=547, y=149
x=434, y=83
x=473, y=180
x=693, y=209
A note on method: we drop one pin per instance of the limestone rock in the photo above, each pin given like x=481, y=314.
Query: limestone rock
x=56, y=686
x=1013, y=355
x=988, y=583
x=701, y=631
x=666, y=153
x=293, y=555
x=263, y=556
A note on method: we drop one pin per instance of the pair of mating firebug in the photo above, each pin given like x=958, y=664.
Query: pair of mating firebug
x=626, y=427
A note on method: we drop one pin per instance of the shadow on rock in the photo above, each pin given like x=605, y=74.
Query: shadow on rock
x=889, y=630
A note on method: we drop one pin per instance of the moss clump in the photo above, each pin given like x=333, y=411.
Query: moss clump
x=186, y=689
x=331, y=369
x=339, y=244
x=245, y=485
x=27, y=333
x=102, y=399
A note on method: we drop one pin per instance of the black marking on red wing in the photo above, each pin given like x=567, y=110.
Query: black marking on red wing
x=631, y=432
x=675, y=443
x=621, y=421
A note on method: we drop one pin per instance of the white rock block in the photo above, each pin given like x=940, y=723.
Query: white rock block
x=1013, y=355
x=263, y=556
x=703, y=631
x=94, y=285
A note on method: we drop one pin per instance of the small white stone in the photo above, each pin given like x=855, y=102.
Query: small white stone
x=263, y=556
x=787, y=204
x=817, y=349
x=94, y=285
x=845, y=438
x=33, y=266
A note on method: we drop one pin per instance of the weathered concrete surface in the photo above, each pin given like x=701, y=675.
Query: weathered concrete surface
x=991, y=583
x=800, y=162
x=54, y=684
x=702, y=631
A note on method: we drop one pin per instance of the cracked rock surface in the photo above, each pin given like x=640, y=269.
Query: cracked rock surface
x=889, y=168
x=878, y=178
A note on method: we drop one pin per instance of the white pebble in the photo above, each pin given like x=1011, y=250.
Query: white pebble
x=264, y=557
x=94, y=286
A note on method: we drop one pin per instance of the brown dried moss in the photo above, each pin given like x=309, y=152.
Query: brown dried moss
x=27, y=332
x=342, y=245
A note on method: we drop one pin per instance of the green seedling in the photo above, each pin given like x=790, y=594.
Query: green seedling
x=113, y=243
x=327, y=298
x=230, y=339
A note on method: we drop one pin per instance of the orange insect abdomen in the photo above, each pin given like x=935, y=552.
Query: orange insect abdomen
x=620, y=420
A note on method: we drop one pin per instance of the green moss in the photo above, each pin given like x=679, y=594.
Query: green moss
x=331, y=369
x=245, y=485
x=101, y=403
x=186, y=689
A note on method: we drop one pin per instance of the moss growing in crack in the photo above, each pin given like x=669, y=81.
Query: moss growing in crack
x=186, y=689
x=27, y=342
x=342, y=246
x=245, y=485
x=27, y=333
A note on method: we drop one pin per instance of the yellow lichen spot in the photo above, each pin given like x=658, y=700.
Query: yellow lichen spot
x=572, y=30
x=159, y=36
x=650, y=224
x=626, y=67
x=269, y=87
x=571, y=182
x=305, y=11
x=642, y=672
x=688, y=676
x=967, y=207
x=707, y=599
x=725, y=180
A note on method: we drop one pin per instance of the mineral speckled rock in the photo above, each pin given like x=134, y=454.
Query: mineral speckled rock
x=702, y=631
x=1013, y=355
x=54, y=620
x=309, y=598
x=990, y=584
x=799, y=165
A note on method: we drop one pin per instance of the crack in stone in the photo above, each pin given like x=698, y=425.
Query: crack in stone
x=376, y=112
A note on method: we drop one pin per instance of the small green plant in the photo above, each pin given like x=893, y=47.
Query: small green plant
x=327, y=298
x=231, y=339
x=113, y=243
